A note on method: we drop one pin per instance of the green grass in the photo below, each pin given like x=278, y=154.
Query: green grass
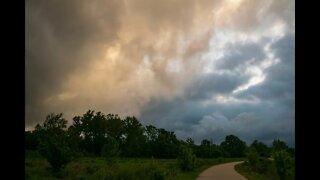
x=37, y=167
x=269, y=171
x=245, y=171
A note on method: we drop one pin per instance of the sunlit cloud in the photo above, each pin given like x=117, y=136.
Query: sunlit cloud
x=173, y=64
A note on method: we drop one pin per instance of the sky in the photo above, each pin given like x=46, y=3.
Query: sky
x=200, y=68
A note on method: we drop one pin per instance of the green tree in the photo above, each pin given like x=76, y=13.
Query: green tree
x=151, y=133
x=186, y=158
x=110, y=149
x=253, y=157
x=233, y=146
x=31, y=140
x=133, y=138
x=190, y=143
x=282, y=162
x=208, y=150
x=261, y=148
x=161, y=143
x=53, y=143
x=205, y=149
x=279, y=145
x=114, y=127
x=93, y=130
x=74, y=136
x=167, y=144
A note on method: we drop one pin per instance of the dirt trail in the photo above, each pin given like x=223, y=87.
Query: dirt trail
x=221, y=172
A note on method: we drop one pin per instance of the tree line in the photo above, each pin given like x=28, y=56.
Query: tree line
x=95, y=134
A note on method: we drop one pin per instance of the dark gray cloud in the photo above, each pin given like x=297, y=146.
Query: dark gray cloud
x=238, y=55
x=280, y=79
x=204, y=69
x=265, y=111
x=216, y=83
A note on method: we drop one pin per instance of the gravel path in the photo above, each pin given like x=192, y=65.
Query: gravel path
x=221, y=172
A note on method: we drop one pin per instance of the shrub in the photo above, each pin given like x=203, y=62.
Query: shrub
x=53, y=141
x=100, y=174
x=56, y=153
x=253, y=157
x=186, y=159
x=110, y=150
x=282, y=161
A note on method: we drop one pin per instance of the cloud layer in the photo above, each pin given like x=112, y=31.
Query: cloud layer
x=203, y=69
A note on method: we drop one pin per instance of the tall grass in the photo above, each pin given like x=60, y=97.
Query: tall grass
x=269, y=171
x=121, y=168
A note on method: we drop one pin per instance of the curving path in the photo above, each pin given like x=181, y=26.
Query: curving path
x=221, y=172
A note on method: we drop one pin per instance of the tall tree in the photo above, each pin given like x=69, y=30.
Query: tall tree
x=261, y=148
x=134, y=139
x=208, y=150
x=114, y=127
x=282, y=162
x=186, y=158
x=31, y=140
x=233, y=146
x=53, y=142
x=92, y=127
x=278, y=145
x=75, y=139
x=151, y=133
x=161, y=143
x=190, y=143
x=167, y=144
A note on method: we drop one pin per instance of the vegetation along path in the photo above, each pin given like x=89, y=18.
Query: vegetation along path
x=221, y=172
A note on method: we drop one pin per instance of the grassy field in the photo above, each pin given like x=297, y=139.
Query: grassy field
x=37, y=167
x=248, y=173
x=269, y=173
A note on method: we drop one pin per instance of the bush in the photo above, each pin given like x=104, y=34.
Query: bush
x=53, y=141
x=110, y=150
x=253, y=157
x=100, y=174
x=282, y=162
x=57, y=154
x=233, y=146
x=155, y=173
x=186, y=159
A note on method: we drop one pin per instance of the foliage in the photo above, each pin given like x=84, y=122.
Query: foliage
x=233, y=146
x=123, y=168
x=57, y=154
x=261, y=148
x=95, y=134
x=161, y=143
x=278, y=145
x=134, y=139
x=253, y=157
x=114, y=127
x=208, y=150
x=53, y=145
x=186, y=159
x=282, y=162
x=246, y=171
x=281, y=166
x=110, y=150
x=31, y=141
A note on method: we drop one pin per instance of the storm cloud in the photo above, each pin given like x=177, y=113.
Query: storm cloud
x=203, y=69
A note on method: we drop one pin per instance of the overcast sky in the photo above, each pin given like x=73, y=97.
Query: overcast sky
x=200, y=68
